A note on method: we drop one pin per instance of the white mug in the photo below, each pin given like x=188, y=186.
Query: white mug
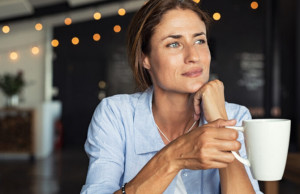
x=267, y=142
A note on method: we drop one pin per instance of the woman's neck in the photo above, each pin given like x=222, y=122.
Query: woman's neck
x=173, y=112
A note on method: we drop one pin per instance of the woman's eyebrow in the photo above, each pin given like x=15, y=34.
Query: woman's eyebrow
x=178, y=36
x=199, y=34
x=172, y=36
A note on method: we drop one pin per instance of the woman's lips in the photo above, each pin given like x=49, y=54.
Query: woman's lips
x=193, y=73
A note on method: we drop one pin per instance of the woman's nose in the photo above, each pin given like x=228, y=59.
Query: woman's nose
x=192, y=54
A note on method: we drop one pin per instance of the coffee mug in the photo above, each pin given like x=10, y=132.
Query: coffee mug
x=267, y=142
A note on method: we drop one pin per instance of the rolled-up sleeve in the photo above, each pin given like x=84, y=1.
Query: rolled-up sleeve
x=105, y=148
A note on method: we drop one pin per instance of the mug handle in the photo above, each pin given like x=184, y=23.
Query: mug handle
x=238, y=157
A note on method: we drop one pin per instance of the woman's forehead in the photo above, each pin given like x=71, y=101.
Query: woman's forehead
x=180, y=20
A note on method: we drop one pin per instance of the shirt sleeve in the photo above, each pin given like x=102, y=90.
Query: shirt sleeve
x=105, y=148
x=244, y=114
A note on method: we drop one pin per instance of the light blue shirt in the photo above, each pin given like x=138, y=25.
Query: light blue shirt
x=122, y=138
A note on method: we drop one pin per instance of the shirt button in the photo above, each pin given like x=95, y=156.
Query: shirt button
x=185, y=174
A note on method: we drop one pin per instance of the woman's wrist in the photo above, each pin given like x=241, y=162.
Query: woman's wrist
x=167, y=158
x=156, y=175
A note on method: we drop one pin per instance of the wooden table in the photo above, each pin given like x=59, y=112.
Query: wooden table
x=291, y=173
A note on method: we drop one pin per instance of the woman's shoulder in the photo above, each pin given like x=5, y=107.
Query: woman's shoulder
x=236, y=111
x=120, y=102
x=123, y=98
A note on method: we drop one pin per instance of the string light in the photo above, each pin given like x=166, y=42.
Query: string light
x=75, y=40
x=38, y=26
x=6, y=29
x=121, y=11
x=96, y=37
x=196, y=1
x=97, y=15
x=13, y=56
x=254, y=5
x=35, y=50
x=217, y=16
x=68, y=21
x=55, y=43
x=117, y=28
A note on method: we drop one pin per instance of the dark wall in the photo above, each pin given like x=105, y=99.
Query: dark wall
x=286, y=36
x=237, y=46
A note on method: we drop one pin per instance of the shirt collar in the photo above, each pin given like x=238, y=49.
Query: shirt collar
x=146, y=136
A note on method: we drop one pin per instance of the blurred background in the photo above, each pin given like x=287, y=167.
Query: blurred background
x=59, y=58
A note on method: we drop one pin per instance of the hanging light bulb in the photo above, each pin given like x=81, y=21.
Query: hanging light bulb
x=254, y=5
x=121, y=11
x=6, y=29
x=75, y=40
x=13, y=56
x=38, y=26
x=35, y=50
x=96, y=37
x=68, y=21
x=217, y=16
x=97, y=15
x=55, y=43
x=117, y=28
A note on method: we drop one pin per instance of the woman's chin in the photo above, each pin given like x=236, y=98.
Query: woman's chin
x=194, y=88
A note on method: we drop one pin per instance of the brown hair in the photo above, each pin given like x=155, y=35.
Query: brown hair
x=142, y=27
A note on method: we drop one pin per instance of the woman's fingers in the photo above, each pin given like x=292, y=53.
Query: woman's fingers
x=216, y=129
x=211, y=95
x=197, y=102
x=227, y=145
x=222, y=123
x=208, y=146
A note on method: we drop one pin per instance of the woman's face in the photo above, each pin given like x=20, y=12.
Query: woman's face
x=179, y=59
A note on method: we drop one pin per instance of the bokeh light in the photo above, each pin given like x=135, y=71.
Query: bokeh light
x=96, y=37
x=38, y=26
x=121, y=11
x=97, y=15
x=6, y=29
x=196, y=1
x=55, y=43
x=217, y=16
x=102, y=84
x=13, y=56
x=117, y=28
x=75, y=40
x=35, y=50
x=68, y=21
x=254, y=5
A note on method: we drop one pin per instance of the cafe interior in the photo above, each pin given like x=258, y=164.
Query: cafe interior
x=60, y=58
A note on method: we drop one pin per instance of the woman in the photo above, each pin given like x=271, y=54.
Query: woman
x=160, y=140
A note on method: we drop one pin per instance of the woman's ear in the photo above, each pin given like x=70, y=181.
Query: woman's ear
x=146, y=62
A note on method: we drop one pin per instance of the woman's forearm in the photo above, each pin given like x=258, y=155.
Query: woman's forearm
x=235, y=180
x=155, y=176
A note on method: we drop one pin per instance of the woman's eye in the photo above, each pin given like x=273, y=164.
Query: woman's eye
x=201, y=41
x=173, y=45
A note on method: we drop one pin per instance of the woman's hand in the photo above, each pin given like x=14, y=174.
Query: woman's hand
x=207, y=147
x=211, y=96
